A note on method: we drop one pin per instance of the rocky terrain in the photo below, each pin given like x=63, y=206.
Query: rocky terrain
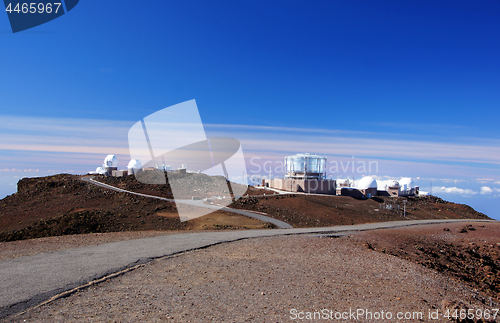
x=439, y=267
x=410, y=270
x=187, y=185
x=465, y=252
x=64, y=204
x=319, y=211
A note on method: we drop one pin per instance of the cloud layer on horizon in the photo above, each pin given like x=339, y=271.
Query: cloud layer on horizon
x=88, y=140
x=33, y=146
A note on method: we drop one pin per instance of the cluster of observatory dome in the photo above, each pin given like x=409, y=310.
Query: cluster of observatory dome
x=368, y=187
x=405, y=183
x=305, y=173
x=110, y=167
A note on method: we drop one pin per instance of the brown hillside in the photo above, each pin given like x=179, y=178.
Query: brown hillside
x=467, y=252
x=64, y=204
x=320, y=211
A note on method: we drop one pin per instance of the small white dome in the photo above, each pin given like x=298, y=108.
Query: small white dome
x=110, y=161
x=134, y=164
x=406, y=183
x=367, y=182
x=394, y=183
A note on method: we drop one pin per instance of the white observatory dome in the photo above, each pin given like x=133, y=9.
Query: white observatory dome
x=406, y=183
x=394, y=183
x=134, y=165
x=367, y=182
x=100, y=170
x=110, y=161
x=345, y=182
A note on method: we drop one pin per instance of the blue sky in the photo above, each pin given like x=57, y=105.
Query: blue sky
x=412, y=85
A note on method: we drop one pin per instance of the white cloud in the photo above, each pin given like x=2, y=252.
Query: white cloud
x=492, y=192
x=454, y=190
x=486, y=190
x=86, y=136
x=444, y=180
x=85, y=142
x=348, y=143
x=484, y=179
x=454, y=181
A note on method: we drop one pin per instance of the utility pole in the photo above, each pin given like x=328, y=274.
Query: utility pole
x=431, y=200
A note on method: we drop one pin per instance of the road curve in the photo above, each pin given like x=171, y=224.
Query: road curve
x=31, y=280
x=199, y=203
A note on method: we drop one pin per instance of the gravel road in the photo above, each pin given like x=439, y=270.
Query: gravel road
x=198, y=203
x=271, y=279
x=27, y=281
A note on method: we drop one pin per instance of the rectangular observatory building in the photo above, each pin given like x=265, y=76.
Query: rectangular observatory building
x=304, y=173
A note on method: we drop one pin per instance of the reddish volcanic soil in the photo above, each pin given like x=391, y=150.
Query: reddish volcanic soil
x=439, y=268
x=319, y=211
x=64, y=204
x=469, y=252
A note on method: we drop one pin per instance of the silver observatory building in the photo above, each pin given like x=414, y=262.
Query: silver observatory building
x=304, y=173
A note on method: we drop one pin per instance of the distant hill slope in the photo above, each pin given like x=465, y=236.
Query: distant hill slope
x=319, y=211
x=64, y=204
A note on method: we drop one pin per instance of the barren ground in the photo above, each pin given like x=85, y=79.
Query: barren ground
x=263, y=280
x=65, y=205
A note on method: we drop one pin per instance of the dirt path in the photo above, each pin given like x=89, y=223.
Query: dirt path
x=256, y=215
x=274, y=279
x=290, y=270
